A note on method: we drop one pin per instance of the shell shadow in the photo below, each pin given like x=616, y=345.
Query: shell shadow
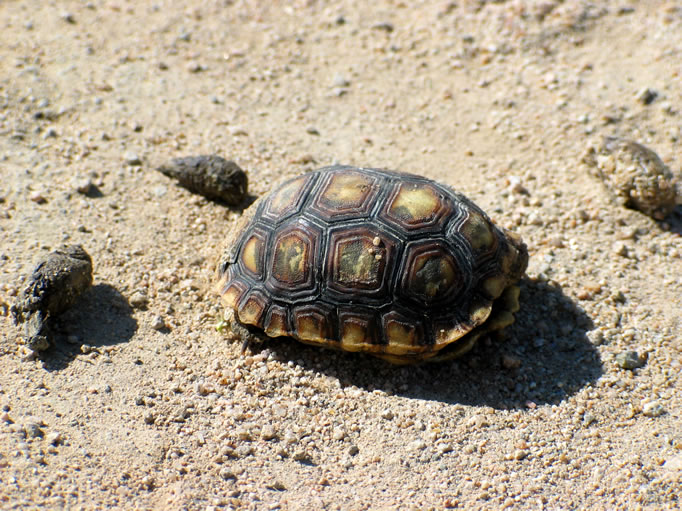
x=548, y=341
x=101, y=317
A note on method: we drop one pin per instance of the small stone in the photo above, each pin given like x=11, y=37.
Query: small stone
x=312, y=130
x=54, y=438
x=32, y=430
x=510, y=362
x=69, y=18
x=243, y=451
x=520, y=454
x=338, y=434
x=387, y=415
x=195, y=67
x=629, y=360
x=38, y=198
x=301, y=456
x=132, y=159
x=619, y=248
x=516, y=187
x=646, y=96
x=277, y=485
x=237, y=131
x=268, y=432
x=158, y=323
x=596, y=337
x=653, y=409
x=384, y=25
x=149, y=418
x=50, y=133
x=353, y=450
x=588, y=419
x=227, y=474
x=139, y=300
x=340, y=81
x=418, y=445
x=84, y=186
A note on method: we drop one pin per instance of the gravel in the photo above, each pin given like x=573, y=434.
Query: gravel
x=497, y=99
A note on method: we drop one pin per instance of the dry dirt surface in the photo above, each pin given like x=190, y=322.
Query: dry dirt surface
x=143, y=404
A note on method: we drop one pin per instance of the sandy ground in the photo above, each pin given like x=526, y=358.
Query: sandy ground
x=143, y=405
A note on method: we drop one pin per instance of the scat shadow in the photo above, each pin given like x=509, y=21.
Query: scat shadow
x=101, y=317
x=551, y=370
x=673, y=221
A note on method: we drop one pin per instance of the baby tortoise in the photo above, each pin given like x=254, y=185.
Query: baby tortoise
x=634, y=175
x=370, y=260
x=53, y=287
x=212, y=176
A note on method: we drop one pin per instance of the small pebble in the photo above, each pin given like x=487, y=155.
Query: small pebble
x=646, y=96
x=510, y=362
x=226, y=474
x=132, y=159
x=54, y=438
x=353, y=450
x=139, y=300
x=84, y=186
x=158, y=323
x=629, y=360
x=340, y=81
x=38, y=198
x=32, y=430
x=338, y=434
x=195, y=67
x=268, y=432
x=653, y=409
x=301, y=456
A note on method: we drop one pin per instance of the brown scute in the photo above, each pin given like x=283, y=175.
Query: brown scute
x=312, y=324
x=477, y=231
x=285, y=199
x=252, y=255
x=357, y=263
x=403, y=335
x=277, y=322
x=291, y=258
x=414, y=204
x=432, y=274
x=344, y=193
x=372, y=261
x=234, y=291
x=252, y=309
x=494, y=286
x=358, y=332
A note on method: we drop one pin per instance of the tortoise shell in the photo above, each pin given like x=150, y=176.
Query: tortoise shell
x=370, y=260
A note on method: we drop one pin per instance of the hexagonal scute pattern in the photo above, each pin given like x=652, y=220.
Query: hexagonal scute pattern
x=432, y=275
x=294, y=258
x=374, y=261
x=288, y=198
x=360, y=260
x=346, y=194
x=417, y=206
